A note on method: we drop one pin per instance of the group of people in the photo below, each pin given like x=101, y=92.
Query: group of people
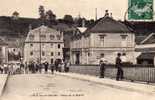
x=120, y=61
x=35, y=67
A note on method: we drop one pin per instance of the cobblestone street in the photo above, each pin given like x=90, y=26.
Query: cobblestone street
x=55, y=87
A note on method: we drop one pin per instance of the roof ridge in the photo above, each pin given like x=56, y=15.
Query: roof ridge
x=108, y=24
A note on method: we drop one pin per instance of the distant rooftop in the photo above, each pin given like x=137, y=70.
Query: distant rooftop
x=109, y=25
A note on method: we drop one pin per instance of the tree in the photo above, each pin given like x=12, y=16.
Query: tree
x=68, y=19
x=15, y=15
x=50, y=15
x=90, y=23
x=42, y=12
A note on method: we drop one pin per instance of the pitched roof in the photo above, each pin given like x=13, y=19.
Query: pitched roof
x=149, y=39
x=149, y=55
x=108, y=25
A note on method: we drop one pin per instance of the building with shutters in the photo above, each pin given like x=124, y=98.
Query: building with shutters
x=107, y=37
x=43, y=44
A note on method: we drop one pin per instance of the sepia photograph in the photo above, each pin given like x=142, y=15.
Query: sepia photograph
x=77, y=50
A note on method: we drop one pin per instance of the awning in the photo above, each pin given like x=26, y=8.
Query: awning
x=149, y=55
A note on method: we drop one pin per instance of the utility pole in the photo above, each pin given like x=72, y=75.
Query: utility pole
x=95, y=14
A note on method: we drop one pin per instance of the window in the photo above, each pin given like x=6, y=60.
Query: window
x=43, y=53
x=52, y=53
x=31, y=53
x=43, y=37
x=31, y=45
x=52, y=37
x=59, y=46
x=31, y=37
x=52, y=45
x=124, y=36
x=102, y=37
x=59, y=53
x=58, y=37
x=124, y=40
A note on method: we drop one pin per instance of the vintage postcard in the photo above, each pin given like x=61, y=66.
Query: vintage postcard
x=77, y=50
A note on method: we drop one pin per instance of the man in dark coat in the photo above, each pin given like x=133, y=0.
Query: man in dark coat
x=102, y=63
x=33, y=67
x=119, y=67
x=56, y=63
x=52, y=68
x=46, y=66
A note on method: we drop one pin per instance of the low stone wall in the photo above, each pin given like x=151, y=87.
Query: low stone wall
x=133, y=73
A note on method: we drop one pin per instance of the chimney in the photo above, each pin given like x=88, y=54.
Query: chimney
x=96, y=14
x=106, y=13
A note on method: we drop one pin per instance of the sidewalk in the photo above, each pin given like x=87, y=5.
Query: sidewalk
x=128, y=86
x=3, y=79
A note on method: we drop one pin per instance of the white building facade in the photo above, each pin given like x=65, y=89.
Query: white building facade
x=43, y=44
x=107, y=37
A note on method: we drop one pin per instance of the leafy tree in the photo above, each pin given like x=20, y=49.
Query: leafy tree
x=15, y=15
x=42, y=12
x=50, y=15
x=68, y=19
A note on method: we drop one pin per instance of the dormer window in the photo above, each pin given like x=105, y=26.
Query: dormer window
x=43, y=37
x=52, y=37
x=58, y=37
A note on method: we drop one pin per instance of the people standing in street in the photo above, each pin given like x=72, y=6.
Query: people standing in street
x=119, y=67
x=22, y=68
x=52, y=68
x=26, y=68
x=46, y=66
x=102, y=63
x=60, y=65
x=5, y=68
x=66, y=65
x=56, y=63
x=33, y=67
x=1, y=69
x=37, y=67
x=11, y=69
x=124, y=59
x=40, y=68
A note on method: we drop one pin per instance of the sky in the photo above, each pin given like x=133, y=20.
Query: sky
x=86, y=8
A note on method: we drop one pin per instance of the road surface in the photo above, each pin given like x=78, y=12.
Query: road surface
x=55, y=87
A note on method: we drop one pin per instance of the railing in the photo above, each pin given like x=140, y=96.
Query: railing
x=144, y=73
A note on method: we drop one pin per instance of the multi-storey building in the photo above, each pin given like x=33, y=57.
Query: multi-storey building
x=3, y=52
x=43, y=44
x=107, y=37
